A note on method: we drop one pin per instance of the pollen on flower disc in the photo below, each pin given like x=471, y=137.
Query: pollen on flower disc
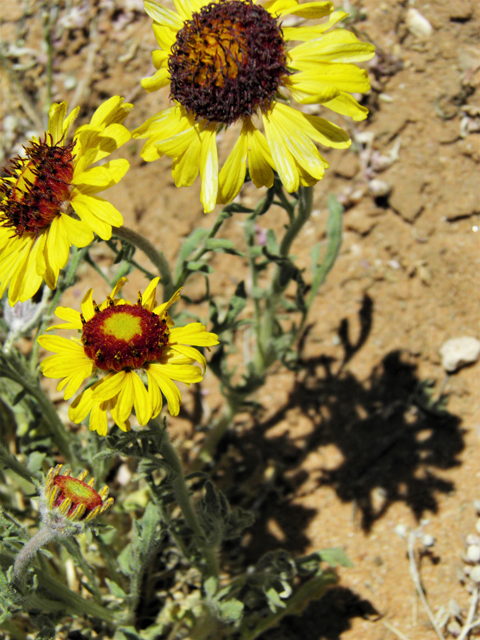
x=124, y=337
x=36, y=187
x=227, y=61
x=78, y=492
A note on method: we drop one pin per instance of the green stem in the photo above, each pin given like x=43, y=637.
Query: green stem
x=182, y=496
x=26, y=553
x=7, y=460
x=216, y=433
x=18, y=373
x=156, y=257
x=75, y=603
x=265, y=354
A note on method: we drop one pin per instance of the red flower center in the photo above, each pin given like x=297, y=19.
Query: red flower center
x=124, y=337
x=78, y=492
x=227, y=61
x=36, y=187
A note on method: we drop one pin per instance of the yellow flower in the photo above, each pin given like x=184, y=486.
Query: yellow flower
x=129, y=344
x=37, y=227
x=227, y=61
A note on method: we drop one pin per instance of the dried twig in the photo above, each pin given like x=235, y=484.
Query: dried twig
x=417, y=582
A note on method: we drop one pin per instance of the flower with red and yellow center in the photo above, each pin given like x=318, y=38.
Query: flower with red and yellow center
x=48, y=198
x=67, y=500
x=227, y=62
x=127, y=345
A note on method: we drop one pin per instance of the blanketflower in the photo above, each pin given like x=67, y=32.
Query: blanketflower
x=227, y=61
x=42, y=188
x=128, y=344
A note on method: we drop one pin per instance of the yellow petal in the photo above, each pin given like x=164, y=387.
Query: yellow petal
x=81, y=406
x=195, y=334
x=148, y=296
x=346, y=105
x=160, y=310
x=142, y=400
x=209, y=169
x=169, y=390
x=165, y=36
x=110, y=386
x=313, y=31
x=160, y=79
x=56, y=116
x=156, y=401
x=232, y=175
x=88, y=310
x=78, y=233
x=260, y=161
x=99, y=214
x=98, y=419
x=182, y=351
x=162, y=15
x=187, y=374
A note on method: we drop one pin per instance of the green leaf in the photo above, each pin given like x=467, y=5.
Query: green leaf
x=231, y=610
x=234, y=207
x=334, y=242
x=210, y=585
x=237, y=303
x=224, y=245
x=193, y=241
x=274, y=601
x=335, y=557
x=115, y=589
x=199, y=265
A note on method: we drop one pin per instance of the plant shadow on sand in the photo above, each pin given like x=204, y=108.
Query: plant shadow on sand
x=394, y=437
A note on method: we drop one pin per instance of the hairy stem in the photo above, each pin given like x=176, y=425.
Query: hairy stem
x=182, y=496
x=156, y=257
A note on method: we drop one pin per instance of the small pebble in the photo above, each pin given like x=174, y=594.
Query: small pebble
x=401, y=530
x=475, y=574
x=428, y=540
x=473, y=553
x=476, y=505
x=472, y=539
x=417, y=24
x=477, y=525
x=454, y=628
x=457, y=352
x=379, y=188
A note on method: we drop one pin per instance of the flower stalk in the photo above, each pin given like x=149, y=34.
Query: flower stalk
x=182, y=496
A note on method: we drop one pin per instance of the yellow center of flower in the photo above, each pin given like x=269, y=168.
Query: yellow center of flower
x=37, y=187
x=124, y=337
x=227, y=61
x=123, y=326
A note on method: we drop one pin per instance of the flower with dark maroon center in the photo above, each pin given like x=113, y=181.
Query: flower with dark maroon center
x=238, y=61
x=227, y=61
x=124, y=337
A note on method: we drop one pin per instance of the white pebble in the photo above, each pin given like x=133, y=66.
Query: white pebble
x=379, y=188
x=473, y=553
x=70, y=82
x=475, y=574
x=417, y=24
x=454, y=628
x=401, y=530
x=457, y=352
x=476, y=505
x=472, y=539
x=428, y=540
